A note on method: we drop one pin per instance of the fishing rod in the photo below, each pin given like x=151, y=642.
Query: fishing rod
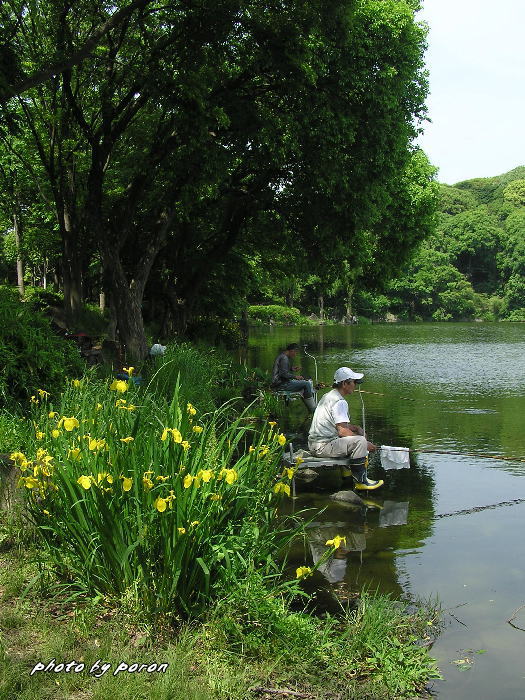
x=434, y=452
x=313, y=358
x=458, y=454
x=315, y=365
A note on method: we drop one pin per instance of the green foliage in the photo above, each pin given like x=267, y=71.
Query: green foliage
x=515, y=193
x=316, y=656
x=516, y=315
x=33, y=357
x=280, y=315
x=14, y=431
x=41, y=299
x=473, y=265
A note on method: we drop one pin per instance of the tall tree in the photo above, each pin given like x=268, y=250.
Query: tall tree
x=190, y=121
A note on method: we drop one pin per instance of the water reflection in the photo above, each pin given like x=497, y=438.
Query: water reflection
x=334, y=569
x=393, y=513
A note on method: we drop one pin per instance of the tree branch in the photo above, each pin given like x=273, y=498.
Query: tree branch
x=77, y=57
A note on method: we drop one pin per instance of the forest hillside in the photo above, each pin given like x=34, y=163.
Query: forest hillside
x=473, y=265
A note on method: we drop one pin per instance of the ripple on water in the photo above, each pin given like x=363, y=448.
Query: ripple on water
x=462, y=368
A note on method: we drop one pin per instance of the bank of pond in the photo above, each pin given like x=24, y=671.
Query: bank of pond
x=153, y=523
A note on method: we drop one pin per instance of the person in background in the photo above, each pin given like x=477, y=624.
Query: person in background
x=284, y=377
x=157, y=349
x=333, y=435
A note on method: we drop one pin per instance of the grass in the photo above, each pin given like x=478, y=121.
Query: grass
x=250, y=639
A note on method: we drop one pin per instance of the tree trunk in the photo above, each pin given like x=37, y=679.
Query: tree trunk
x=19, y=262
x=321, y=307
x=127, y=303
x=349, y=295
x=71, y=266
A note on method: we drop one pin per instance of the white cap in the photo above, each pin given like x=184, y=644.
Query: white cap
x=157, y=349
x=344, y=373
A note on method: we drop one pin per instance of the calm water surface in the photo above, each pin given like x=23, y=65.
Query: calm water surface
x=444, y=387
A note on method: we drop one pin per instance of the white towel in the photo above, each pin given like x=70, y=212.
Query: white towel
x=395, y=457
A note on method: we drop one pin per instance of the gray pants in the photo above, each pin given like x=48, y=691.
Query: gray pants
x=304, y=385
x=353, y=446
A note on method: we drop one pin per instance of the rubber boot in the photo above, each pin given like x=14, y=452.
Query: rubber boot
x=362, y=482
x=310, y=404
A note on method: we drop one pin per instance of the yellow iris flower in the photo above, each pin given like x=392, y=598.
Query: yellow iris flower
x=303, y=571
x=84, y=481
x=161, y=504
x=119, y=385
x=175, y=434
x=230, y=475
x=281, y=487
x=69, y=424
x=197, y=429
x=127, y=482
x=336, y=542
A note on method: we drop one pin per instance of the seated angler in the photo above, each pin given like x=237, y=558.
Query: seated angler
x=332, y=434
x=285, y=379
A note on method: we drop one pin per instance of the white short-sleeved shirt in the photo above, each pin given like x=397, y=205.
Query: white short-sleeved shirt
x=331, y=410
x=340, y=411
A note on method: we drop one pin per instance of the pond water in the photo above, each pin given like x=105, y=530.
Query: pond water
x=438, y=387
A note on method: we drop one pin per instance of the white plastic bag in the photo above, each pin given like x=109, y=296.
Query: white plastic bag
x=395, y=457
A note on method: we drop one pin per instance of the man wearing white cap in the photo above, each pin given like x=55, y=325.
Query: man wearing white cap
x=332, y=434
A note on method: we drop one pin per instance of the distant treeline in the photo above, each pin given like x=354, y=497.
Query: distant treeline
x=471, y=266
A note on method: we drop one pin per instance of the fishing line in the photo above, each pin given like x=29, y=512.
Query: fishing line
x=477, y=509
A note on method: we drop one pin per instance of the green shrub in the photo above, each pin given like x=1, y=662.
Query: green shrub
x=277, y=314
x=516, y=315
x=41, y=298
x=33, y=357
x=200, y=374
